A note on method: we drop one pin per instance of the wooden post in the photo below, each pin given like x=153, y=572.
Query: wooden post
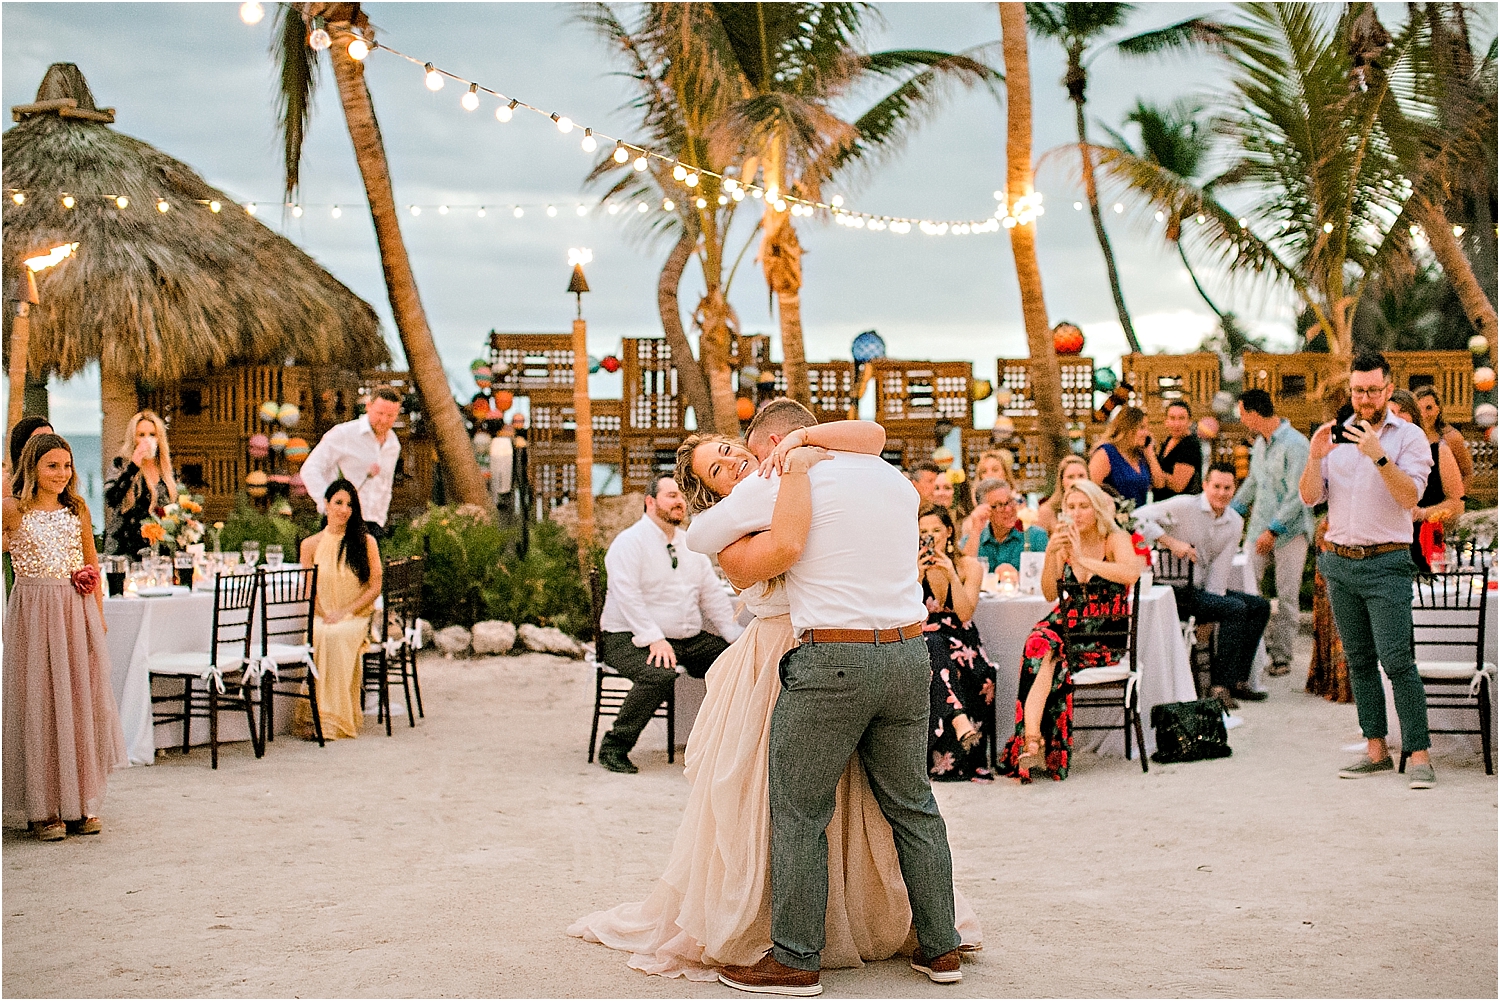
x=20, y=334
x=583, y=413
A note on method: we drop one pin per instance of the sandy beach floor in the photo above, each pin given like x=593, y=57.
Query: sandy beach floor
x=447, y=860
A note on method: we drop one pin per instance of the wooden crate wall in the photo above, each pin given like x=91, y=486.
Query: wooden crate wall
x=925, y=391
x=1294, y=381
x=650, y=390
x=1451, y=373
x=1076, y=376
x=537, y=363
x=1159, y=380
x=830, y=384
x=553, y=469
x=1483, y=488
x=647, y=456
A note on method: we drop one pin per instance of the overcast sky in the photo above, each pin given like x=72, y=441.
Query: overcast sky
x=196, y=82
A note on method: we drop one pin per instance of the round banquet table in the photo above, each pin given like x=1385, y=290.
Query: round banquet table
x=1161, y=659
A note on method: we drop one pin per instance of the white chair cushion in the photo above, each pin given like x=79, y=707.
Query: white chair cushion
x=286, y=653
x=195, y=664
x=1101, y=675
x=1456, y=670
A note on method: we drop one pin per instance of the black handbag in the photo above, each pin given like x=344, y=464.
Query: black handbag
x=1189, y=731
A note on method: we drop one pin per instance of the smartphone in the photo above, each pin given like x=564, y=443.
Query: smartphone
x=1340, y=430
x=929, y=544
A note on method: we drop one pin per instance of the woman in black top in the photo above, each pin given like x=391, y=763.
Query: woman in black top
x=1181, y=455
x=142, y=480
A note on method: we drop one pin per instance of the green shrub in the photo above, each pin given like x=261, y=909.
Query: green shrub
x=249, y=523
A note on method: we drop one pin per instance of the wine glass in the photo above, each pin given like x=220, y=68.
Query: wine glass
x=273, y=555
x=250, y=550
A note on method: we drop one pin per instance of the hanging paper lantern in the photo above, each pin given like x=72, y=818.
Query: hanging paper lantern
x=1002, y=397
x=296, y=451
x=1223, y=403
x=1479, y=344
x=744, y=408
x=609, y=363
x=477, y=364
x=593, y=364
x=480, y=407
x=269, y=411
x=288, y=415
x=1484, y=379
x=867, y=347
x=499, y=370
x=1067, y=339
x=255, y=483
x=1208, y=427
x=260, y=446
x=278, y=440
x=765, y=379
x=279, y=479
x=1105, y=380
x=956, y=475
x=1004, y=426
x=482, y=379
x=981, y=389
x=503, y=400
x=297, y=487
x=943, y=457
x=1485, y=414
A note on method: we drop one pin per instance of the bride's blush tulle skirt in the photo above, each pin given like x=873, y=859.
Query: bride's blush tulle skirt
x=712, y=906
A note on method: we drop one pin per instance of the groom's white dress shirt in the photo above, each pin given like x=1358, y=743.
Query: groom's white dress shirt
x=859, y=567
x=651, y=599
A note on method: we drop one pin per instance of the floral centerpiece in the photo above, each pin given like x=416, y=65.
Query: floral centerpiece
x=176, y=524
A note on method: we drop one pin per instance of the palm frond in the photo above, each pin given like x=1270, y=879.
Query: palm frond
x=297, y=81
x=1193, y=32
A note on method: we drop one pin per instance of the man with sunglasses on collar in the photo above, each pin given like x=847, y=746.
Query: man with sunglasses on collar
x=660, y=594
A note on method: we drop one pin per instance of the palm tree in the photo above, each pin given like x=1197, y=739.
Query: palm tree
x=298, y=65
x=794, y=64
x=1310, y=164
x=1046, y=378
x=1077, y=27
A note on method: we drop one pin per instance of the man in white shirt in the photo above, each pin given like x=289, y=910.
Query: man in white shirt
x=363, y=451
x=1203, y=528
x=660, y=593
x=860, y=681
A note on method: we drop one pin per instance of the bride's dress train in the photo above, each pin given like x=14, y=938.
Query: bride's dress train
x=712, y=906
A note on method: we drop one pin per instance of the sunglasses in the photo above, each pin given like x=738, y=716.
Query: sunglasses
x=672, y=552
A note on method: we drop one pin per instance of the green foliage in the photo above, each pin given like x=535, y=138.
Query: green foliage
x=473, y=573
x=249, y=523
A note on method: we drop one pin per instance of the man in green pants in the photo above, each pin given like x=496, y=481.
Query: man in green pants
x=1371, y=475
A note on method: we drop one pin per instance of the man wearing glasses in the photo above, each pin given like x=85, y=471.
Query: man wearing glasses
x=660, y=593
x=994, y=533
x=1371, y=469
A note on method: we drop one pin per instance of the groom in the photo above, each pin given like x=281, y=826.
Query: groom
x=859, y=681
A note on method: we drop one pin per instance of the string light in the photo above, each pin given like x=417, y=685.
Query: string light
x=68, y=201
x=470, y=100
x=551, y=211
x=122, y=202
x=251, y=12
x=433, y=78
x=1078, y=207
x=416, y=210
x=621, y=155
x=319, y=40
x=505, y=111
x=250, y=209
x=1327, y=227
x=679, y=172
x=481, y=212
x=589, y=142
x=442, y=210
x=358, y=49
x=582, y=210
x=336, y=212
x=1458, y=231
x=296, y=211
x=19, y=198
x=667, y=205
x=214, y=207
x=163, y=206
x=643, y=207
x=564, y=124
x=519, y=212
x=702, y=203
x=640, y=163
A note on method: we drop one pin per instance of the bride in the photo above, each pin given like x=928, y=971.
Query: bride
x=712, y=905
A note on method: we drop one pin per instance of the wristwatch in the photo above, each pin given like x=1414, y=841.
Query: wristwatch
x=1382, y=460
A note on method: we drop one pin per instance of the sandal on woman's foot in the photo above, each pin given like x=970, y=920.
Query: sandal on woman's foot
x=1032, y=757
x=50, y=830
x=1279, y=670
x=88, y=825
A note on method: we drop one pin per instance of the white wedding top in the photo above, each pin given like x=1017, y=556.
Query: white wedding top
x=859, y=567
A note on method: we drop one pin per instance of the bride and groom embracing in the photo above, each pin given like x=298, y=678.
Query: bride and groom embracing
x=811, y=836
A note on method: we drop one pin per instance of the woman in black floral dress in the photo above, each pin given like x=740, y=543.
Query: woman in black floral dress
x=963, y=679
x=1087, y=544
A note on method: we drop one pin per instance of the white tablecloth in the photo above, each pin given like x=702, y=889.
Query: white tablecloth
x=1166, y=675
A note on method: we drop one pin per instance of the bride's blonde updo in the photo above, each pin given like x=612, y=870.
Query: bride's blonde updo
x=698, y=493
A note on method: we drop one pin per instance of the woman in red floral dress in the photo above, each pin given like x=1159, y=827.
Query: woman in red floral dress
x=1087, y=544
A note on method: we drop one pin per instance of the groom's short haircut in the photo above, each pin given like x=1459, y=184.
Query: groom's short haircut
x=780, y=417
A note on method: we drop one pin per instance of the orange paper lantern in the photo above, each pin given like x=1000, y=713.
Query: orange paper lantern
x=1067, y=339
x=744, y=408
x=1484, y=379
x=503, y=400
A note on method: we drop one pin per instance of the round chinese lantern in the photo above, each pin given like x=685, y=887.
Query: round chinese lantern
x=288, y=415
x=279, y=479
x=1223, y=403
x=483, y=379
x=269, y=411
x=503, y=400
x=744, y=408
x=1484, y=415
x=593, y=364
x=943, y=457
x=956, y=475
x=260, y=446
x=296, y=451
x=609, y=363
x=1067, y=338
x=1004, y=426
x=255, y=483
x=1208, y=427
x=981, y=389
x=297, y=487
x=1002, y=397
x=1479, y=345
x=1105, y=380
x=481, y=443
x=480, y=407
x=278, y=441
x=765, y=379
x=1484, y=379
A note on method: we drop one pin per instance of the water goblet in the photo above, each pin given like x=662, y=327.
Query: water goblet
x=250, y=550
x=273, y=555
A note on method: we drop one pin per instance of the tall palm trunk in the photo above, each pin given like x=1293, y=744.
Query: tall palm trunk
x=1046, y=380
x=781, y=259
x=454, y=448
x=1460, y=274
x=1077, y=83
x=713, y=345
x=689, y=370
x=118, y=402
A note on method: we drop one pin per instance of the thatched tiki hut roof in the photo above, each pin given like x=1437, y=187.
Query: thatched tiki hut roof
x=171, y=277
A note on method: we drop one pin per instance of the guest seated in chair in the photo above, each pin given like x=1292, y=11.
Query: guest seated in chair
x=660, y=592
x=1204, y=529
x=994, y=533
x=1087, y=544
x=348, y=562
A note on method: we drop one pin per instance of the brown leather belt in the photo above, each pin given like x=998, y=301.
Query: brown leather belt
x=910, y=632
x=1365, y=552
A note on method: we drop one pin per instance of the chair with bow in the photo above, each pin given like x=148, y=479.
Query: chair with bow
x=397, y=637
x=610, y=687
x=1177, y=573
x=1448, y=620
x=1095, y=617
x=226, y=670
x=288, y=604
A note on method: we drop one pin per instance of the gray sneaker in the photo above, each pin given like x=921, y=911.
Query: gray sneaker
x=1364, y=768
x=1423, y=777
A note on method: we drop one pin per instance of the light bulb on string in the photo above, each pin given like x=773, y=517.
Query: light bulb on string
x=67, y=201
x=505, y=112
x=779, y=205
x=589, y=143
x=723, y=199
x=757, y=194
x=642, y=207
x=691, y=181
x=296, y=211
x=319, y=40
x=582, y=210
x=214, y=207
x=614, y=209
x=1458, y=231
x=163, y=206
x=470, y=100
x=1160, y=215
x=1078, y=206
x=251, y=12
x=442, y=210
x=1327, y=227
x=416, y=210
x=480, y=213
x=336, y=212
x=668, y=205
x=837, y=201
x=1244, y=223
x=551, y=211
x=433, y=78
x=679, y=172
x=1119, y=208
x=519, y=212
x=640, y=163
x=564, y=124
x=19, y=198
x=621, y=154
x=738, y=195
x=358, y=50
x=1200, y=218
x=250, y=209
x=702, y=203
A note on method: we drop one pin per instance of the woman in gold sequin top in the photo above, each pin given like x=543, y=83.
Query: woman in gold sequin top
x=62, y=731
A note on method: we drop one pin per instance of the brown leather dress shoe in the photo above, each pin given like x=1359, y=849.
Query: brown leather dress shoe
x=942, y=969
x=771, y=977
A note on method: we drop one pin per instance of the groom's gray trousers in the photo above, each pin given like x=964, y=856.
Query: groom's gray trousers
x=837, y=698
